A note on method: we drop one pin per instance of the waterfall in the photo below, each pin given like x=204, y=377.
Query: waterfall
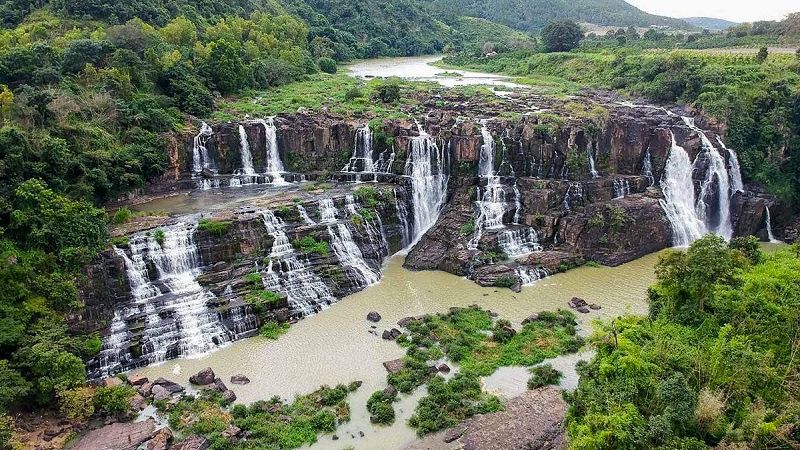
x=426, y=167
x=274, y=166
x=384, y=164
x=647, y=167
x=247, y=158
x=350, y=256
x=305, y=290
x=402, y=218
x=304, y=215
x=200, y=157
x=735, y=171
x=679, y=199
x=491, y=204
x=768, y=225
x=516, y=243
x=173, y=307
x=621, y=187
x=574, y=192
x=327, y=210
x=361, y=161
x=245, y=175
x=592, y=170
x=715, y=186
x=530, y=275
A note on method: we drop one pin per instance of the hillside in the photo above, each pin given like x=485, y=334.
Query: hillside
x=710, y=23
x=534, y=14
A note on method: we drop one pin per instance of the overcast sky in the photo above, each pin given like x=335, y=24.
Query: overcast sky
x=735, y=10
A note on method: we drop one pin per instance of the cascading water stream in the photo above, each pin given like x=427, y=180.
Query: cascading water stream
x=350, y=256
x=768, y=225
x=174, y=307
x=647, y=168
x=327, y=210
x=426, y=167
x=679, y=200
x=622, y=188
x=361, y=161
x=200, y=157
x=715, y=186
x=305, y=290
x=592, y=169
x=304, y=215
x=735, y=171
x=245, y=175
x=274, y=165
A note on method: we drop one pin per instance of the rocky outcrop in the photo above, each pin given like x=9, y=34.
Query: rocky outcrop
x=117, y=436
x=534, y=420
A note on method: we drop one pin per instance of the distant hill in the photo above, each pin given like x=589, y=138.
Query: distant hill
x=532, y=15
x=710, y=23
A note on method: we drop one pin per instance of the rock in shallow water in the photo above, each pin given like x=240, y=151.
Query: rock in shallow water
x=373, y=316
x=203, y=378
x=239, y=379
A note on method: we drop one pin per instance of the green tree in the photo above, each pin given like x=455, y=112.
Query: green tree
x=226, y=68
x=327, y=65
x=762, y=54
x=561, y=36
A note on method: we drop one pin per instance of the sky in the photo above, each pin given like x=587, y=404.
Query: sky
x=734, y=10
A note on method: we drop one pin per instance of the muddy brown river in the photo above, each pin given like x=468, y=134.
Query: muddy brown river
x=336, y=346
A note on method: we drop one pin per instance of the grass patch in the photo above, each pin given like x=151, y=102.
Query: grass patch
x=271, y=423
x=273, y=330
x=479, y=344
x=310, y=245
x=216, y=227
x=543, y=375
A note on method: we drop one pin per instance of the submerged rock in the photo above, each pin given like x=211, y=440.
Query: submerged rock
x=577, y=302
x=594, y=306
x=583, y=309
x=239, y=379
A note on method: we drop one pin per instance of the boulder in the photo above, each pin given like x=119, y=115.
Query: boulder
x=193, y=442
x=232, y=433
x=160, y=393
x=229, y=396
x=239, y=379
x=137, y=379
x=391, y=335
x=583, y=309
x=112, y=381
x=532, y=318
x=117, y=436
x=577, y=302
x=594, y=306
x=171, y=386
x=219, y=385
x=203, y=378
x=390, y=391
x=161, y=440
x=444, y=368
x=394, y=365
x=452, y=434
x=373, y=316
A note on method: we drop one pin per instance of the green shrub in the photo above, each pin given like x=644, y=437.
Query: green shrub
x=332, y=396
x=380, y=408
x=159, y=236
x=543, y=375
x=352, y=94
x=505, y=281
x=310, y=245
x=123, y=215
x=76, y=403
x=327, y=65
x=273, y=330
x=254, y=278
x=388, y=92
x=113, y=399
x=215, y=227
x=467, y=228
x=120, y=241
x=324, y=421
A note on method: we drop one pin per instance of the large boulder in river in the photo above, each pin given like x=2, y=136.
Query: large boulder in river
x=373, y=316
x=239, y=379
x=203, y=378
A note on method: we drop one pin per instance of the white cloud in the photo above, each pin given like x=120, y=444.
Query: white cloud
x=735, y=10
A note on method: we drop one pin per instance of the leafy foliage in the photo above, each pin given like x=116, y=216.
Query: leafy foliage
x=712, y=365
x=561, y=36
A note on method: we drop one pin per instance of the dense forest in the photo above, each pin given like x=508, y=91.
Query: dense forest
x=535, y=14
x=714, y=364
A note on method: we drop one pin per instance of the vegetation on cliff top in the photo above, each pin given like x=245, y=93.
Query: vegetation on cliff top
x=713, y=365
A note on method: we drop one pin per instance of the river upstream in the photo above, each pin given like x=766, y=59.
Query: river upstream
x=339, y=345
